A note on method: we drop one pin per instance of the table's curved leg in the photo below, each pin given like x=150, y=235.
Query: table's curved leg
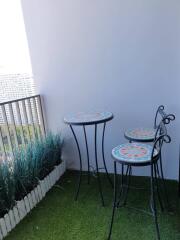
x=97, y=168
x=108, y=177
x=87, y=150
x=80, y=159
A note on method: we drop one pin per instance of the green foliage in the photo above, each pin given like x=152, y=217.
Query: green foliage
x=30, y=163
x=7, y=187
x=50, y=150
x=25, y=172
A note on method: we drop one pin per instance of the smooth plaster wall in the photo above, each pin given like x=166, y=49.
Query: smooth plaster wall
x=116, y=55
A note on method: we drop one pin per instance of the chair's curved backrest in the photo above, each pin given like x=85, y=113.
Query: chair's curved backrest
x=161, y=136
x=167, y=118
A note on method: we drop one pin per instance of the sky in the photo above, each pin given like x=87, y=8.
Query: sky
x=14, y=52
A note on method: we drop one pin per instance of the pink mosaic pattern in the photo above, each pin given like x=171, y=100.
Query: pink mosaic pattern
x=133, y=152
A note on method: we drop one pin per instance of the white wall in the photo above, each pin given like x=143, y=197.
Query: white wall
x=116, y=55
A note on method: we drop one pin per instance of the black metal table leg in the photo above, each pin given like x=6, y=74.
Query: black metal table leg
x=87, y=151
x=107, y=174
x=97, y=167
x=80, y=159
x=114, y=201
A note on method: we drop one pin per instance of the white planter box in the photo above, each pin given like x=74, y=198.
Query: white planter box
x=3, y=227
x=12, y=219
x=43, y=188
x=39, y=192
x=27, y=206
x=24, y=206
x=46, y=184
x=16, y=215
x=49, y=181
x=56, y=173
x=34, y=201
x=36, y=194
x=1, y=236
x=7, y=222
x=21, y=209
x=51, y=178
x=30, y=200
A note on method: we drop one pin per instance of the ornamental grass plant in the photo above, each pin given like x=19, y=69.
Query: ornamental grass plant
x=30, y=163
x=7, y=187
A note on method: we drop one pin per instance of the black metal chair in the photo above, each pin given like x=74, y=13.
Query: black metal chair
x=148, y=135
x=139, y=155
x=144, y=134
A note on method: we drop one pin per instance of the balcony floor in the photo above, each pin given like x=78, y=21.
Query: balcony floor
x=59, y=217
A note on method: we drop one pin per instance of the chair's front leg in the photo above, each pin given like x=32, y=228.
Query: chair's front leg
x=114, y=201
x=128, y=177
x=163, y=182
x=157, y=186
x=121, y=185
x=153, y=202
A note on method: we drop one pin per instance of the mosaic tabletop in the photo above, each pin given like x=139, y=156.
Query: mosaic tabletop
x=133, y=152
x=140, y=134
x=88, y=118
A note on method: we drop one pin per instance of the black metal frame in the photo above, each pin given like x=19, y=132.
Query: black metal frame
x=179, y=174
x=166, y=119
x=96, y=155
x=153, y=163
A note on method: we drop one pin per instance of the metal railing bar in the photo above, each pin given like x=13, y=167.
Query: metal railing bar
x=19, y=99
x=13, y=124
x=2, y=143
x=7, y=128
x=31, y=117
x=20, y=121
x=36, y=117
x=26, y=118
x=41, y=116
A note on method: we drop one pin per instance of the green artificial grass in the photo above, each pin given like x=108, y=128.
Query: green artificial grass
x=59, y=217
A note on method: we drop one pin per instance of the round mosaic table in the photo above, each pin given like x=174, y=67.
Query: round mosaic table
x=95, y=119
x=140, y=134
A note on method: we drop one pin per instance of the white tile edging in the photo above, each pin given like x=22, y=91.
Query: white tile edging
x=24, y=206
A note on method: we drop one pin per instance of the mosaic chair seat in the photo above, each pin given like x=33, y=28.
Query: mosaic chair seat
x=144, y=134
x=138, y=155
x=135, y=154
